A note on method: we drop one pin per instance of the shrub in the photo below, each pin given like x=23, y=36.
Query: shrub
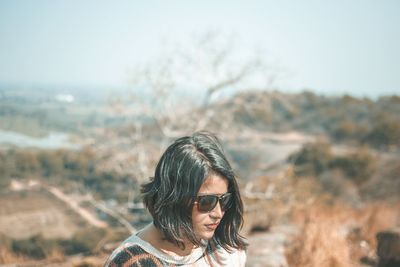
x=84, y=241
x=316, y=159
x=385, y=133
x=32, y=247
x=313, y=159
x=349, y=130
x=358, y=166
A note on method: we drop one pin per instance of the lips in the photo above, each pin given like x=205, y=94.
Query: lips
x=212, y=226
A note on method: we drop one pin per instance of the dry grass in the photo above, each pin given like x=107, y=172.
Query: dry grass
x=377, y=217
x=322, y=241
x=24, y=214
x=7, y=257
x=338, y=235
x=331, y=233
x=284, y=198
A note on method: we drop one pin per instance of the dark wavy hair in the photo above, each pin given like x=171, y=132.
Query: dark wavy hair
x=182, y=169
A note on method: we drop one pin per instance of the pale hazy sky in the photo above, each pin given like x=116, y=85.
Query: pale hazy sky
x=331, y=47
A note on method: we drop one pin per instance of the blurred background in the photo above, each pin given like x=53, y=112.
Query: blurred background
x=305, y=97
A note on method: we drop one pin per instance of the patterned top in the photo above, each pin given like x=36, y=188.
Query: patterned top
x=135, y=252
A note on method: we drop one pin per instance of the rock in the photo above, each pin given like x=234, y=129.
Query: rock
x=388, y=249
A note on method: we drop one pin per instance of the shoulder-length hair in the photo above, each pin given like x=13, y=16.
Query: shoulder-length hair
x=169, y=196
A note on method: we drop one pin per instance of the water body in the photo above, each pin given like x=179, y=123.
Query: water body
x=54, y=140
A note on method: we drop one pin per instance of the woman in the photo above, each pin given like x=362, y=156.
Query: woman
x=196, y=208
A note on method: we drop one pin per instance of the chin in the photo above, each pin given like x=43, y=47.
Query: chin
x=206, y=235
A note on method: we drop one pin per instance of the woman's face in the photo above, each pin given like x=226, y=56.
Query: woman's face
x=205, y=223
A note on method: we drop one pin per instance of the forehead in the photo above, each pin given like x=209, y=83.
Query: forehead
x=214, y=184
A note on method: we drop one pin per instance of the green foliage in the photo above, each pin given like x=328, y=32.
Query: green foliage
x=73, y=246
x=51, y=162
x=27, y=162
x=312, y=159
x=34, y=247
x=252, y=116
x=347, y=130
x=358, y=166
x=4, y=171
x=315, y=159
x=84, y=241
x=60, y=166
x=346, y=119
x=385, y=132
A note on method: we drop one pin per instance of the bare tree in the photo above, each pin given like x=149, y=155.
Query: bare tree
x=191, y=78
x=179, y=92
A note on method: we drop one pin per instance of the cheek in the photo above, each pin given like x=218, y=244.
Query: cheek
x=198, y=217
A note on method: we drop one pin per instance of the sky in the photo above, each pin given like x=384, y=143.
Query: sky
x=330, y=47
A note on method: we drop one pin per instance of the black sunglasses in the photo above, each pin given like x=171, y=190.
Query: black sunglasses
x=207, y=203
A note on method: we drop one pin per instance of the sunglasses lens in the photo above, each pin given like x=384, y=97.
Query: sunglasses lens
x=207, y=203
x=225, y=201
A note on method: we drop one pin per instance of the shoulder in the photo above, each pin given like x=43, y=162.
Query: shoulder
x=233, y=257
x=236, y=257
x=240, y=256
x=131, y=255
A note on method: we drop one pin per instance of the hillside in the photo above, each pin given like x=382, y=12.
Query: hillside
x=345, y=119
x=296, y=155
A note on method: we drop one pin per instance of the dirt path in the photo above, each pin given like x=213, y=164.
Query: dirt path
x=74, y=205
x=267, y=249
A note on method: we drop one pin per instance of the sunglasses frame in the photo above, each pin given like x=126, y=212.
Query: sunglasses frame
x=219, y=199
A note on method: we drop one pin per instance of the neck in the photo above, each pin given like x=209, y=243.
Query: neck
x=157, y=239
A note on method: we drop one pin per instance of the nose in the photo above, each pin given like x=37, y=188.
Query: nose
x=217, y=212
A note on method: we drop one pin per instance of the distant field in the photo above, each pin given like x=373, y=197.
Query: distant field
x=28, y=213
